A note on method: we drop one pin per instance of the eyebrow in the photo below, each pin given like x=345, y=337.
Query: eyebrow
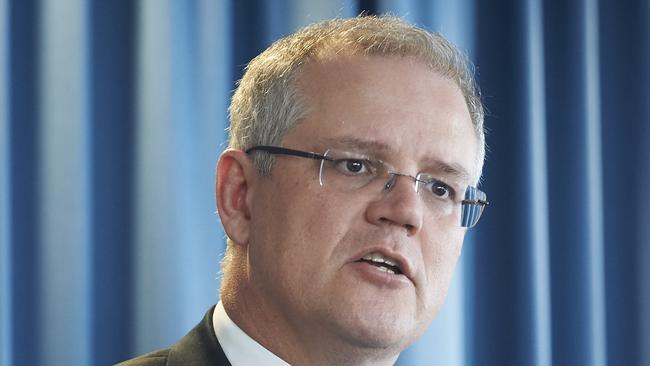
x=450, y=169
x=358, y=144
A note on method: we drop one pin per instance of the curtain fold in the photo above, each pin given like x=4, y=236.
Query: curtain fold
x=5, y=188
x=113, y=114
x=537, y=203
x=21, y=245
x=112, y=139
x=64, y=239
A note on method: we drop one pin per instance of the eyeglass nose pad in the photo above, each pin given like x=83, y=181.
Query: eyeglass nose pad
x=391, y=182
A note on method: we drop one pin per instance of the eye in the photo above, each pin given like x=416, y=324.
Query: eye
x=439, y=189
x=353, y=166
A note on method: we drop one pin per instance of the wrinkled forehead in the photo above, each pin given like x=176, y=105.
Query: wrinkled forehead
x=387, y=105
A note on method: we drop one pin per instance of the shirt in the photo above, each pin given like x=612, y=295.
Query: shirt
x=239, y=347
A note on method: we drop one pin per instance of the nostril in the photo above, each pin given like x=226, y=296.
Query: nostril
x=409, y=227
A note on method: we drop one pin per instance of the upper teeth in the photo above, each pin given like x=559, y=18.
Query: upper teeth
x=379, y=258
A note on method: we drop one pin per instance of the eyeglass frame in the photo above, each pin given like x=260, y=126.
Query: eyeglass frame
x=277, y=150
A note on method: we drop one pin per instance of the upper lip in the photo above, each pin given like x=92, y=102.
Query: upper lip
x=402, y=262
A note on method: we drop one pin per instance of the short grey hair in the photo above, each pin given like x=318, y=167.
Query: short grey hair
x=266, y=103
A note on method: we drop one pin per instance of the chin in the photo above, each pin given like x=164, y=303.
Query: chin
x=385, y=330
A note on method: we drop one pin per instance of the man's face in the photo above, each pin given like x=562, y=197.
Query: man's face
x=306, y=240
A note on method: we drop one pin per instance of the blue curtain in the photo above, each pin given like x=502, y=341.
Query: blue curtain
x=113, y=113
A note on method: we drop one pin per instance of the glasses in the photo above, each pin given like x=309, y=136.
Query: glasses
x=353, y=172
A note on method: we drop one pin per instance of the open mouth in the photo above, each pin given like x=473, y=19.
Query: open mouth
x=383, y=263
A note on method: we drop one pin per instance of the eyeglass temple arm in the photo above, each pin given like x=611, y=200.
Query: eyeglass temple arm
x=285, y=151
x=475, y=202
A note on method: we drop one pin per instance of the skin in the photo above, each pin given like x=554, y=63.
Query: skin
x=294, y=283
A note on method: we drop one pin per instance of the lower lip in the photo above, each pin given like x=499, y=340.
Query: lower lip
x=371, y=274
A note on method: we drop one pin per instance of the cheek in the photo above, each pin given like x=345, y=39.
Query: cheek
x=441, y=256
x=297, y=221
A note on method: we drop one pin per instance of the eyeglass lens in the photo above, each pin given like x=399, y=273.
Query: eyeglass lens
x=367, y=177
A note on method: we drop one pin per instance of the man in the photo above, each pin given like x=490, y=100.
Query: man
x=346, y=192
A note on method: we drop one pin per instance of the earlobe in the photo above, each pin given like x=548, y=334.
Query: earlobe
x=233, y=186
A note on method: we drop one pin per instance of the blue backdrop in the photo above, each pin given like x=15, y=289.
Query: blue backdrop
x=113, y=113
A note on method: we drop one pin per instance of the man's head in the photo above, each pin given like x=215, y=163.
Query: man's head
x=348, y=251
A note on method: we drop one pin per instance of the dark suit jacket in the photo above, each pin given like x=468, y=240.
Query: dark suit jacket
x=199, y=347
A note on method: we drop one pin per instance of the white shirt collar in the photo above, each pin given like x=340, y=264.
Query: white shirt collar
x=241, y=349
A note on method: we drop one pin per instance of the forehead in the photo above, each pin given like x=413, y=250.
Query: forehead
x=396, y=102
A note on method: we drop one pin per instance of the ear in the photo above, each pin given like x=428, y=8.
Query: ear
x=235, y=173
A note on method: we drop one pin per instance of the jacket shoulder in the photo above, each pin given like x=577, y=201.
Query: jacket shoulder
x=157, y=358
x=198, y=348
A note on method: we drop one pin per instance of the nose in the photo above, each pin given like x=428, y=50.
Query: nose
x=398, y=204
